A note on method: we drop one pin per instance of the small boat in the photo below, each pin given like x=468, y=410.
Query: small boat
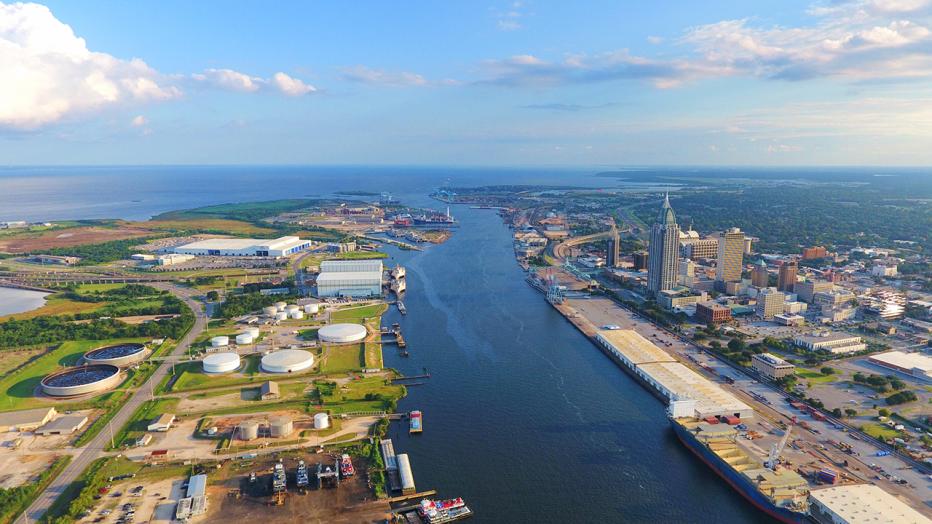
x=439, y=511
x=346, y=466
x=415, y=422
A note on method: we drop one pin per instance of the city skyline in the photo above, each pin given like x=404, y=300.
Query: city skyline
x=500, y=83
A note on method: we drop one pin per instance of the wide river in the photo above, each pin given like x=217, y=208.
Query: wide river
x=523, y=416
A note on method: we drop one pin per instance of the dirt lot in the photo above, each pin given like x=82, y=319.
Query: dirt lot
x=33, y=454
x=154, y=503
x=351, y=502
x=28, y=242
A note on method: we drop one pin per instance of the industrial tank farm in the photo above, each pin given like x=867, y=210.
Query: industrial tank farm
x=342, y=333
x=81, y=380
x=221, y=363
x=120, y=355
x=287, y=361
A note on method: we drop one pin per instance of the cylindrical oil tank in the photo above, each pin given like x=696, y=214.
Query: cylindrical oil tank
x=244, y=338
x=407, y=478
x=248, y=430
x=221, y=363
x=270, y=310
x=297, y=314
x=281, y=315
x=321, y=421
x=281, y=427
x=280, y=306
x=291, y=307
x=311, y=309
x=220, y=341
x=254, y=331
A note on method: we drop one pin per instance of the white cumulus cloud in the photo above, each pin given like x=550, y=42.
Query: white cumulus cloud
x=291, y=86
x=47, y=73
x=139, y=121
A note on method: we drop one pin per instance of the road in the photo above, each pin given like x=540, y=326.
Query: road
x=602, y=311
x=96, y=447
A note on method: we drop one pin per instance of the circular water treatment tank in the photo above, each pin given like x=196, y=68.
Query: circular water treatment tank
x=342, y=333
x=220, y=341
x=221, y=363
x=297, y=314
x=248, y=430
x=270, y=310
x=81, y=380
x=254, y=331
x=287, y=361
x=321, y=421
x=311, y=309
x=244, y=338
x=121, y=355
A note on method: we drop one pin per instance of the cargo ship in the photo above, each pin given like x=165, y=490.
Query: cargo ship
x=779, y=492
x=346, y=466
x=434, y=219
x=438, y=511
x=415, y=422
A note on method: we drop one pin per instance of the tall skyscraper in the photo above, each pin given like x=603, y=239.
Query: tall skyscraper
x=759, y=276
x=786, y=277
x=614, y=249
x=730, y=256
x=663, y=251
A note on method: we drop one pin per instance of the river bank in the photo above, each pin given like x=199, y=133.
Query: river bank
x=19, y=300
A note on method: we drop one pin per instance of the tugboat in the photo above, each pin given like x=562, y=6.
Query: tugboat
x=346, y=466
x=438, y=511
x=415, y=422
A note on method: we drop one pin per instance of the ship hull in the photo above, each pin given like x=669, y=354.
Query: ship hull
x=737, y=481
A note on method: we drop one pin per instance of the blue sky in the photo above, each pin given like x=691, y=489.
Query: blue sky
x=467, y=83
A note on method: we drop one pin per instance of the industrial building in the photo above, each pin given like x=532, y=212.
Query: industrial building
x=772, y=366
x=245, y=247
x=269, y=390
x=26, y=420
x=287, y=361
x=836, y=343
x=195, y=501
x=342, y=333
x=667, y=377
x=172, y=259
x=350, y=278
x=915, y=365
x=63, y=425
x=407, y=477
x=860, y=503
x=162, y=423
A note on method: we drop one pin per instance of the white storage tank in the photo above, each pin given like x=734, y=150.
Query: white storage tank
x=269, y=310
x=281, y=315
x=221, y=363
x=321, y=421
x=280, y=306
x=290, y=308
x=311, y=309
x=244, y=338
x=297, y=314
x=254, y=331
x=248, y=430
x=342, y=333
x=287, y=361
x=220, y=341
x=281, y=427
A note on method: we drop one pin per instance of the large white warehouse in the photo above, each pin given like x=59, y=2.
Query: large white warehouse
x=287, y=361
x=350, y=278
x=221, y=363
x=245, y=247
x=342, y=333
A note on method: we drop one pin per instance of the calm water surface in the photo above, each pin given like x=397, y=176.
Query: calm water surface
x=19, y=300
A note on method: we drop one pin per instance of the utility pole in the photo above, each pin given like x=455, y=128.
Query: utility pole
x=110, y=425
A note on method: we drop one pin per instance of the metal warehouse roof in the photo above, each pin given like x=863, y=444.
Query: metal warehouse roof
x=350, y=276
x=635, y=347
x=197, y=486
x=686, y=383
x=865, y=503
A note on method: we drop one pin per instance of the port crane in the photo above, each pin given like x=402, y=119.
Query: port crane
x=776, y=449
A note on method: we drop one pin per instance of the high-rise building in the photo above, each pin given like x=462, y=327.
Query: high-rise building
x=812, y=253
x=769, y=303
x=641, y=260
x=730, y=256
x=614, y=250
x=663, y=251
x=786, y=278
x=806, y=290
x=759, y=276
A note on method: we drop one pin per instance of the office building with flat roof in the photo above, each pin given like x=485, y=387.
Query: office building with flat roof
x=772, y=366
x=769, y=303
x=712, y=313
x=730, y=256
x=836, y=343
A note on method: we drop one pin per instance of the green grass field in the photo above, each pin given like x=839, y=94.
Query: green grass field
x=17, y=391
x=353, y=395
x=136, y=426
x=340, y=359
x=815, y=377
x=879, y=431
x=357, y=314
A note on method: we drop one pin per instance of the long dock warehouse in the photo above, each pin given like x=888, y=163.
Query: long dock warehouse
x=245, y=247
